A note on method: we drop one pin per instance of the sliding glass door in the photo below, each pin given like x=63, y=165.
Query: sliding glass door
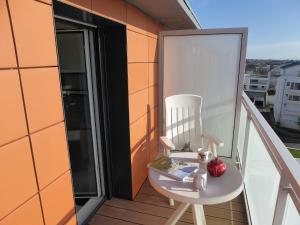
x=79, y=89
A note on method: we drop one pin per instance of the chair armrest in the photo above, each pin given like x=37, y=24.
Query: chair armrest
x=167, y=143
x=213, y=143
x=213, y=140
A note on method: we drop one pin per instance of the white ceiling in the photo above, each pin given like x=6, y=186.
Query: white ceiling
x=174, y=14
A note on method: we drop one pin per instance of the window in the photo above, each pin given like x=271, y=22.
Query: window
x=254, y=81
x=259, y=103
x=295, y=98
x=288, y=84
x=295, y=86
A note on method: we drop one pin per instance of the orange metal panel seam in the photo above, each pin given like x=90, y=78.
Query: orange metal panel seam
x=26, y=118
x=53, y=181
x=19, y=206
x=12, y=141
x=43, y=2
x=12, y=32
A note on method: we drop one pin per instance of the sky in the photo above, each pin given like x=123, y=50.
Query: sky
x=274, y=25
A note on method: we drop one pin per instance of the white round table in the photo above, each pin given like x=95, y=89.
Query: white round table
x=219, y=189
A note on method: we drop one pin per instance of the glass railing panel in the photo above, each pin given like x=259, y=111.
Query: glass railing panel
x=261, y=180
x=242, y=130
x=291, y=215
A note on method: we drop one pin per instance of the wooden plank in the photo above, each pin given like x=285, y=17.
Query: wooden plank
x=166, y=212
x=163, y=201
x=103, y=220
x=134, y=217
x=141, y=218
x=147, y=209
x=151, y=208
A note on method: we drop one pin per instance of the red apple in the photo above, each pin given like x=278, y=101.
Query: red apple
x=216, y=167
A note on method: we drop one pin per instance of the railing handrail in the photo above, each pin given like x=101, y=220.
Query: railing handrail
x=279, y=153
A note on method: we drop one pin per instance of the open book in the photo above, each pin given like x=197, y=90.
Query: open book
x=176, y=169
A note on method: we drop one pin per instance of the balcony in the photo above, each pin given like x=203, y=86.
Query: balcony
x=262, y=82
x=199, y=62
x=271, y=185
x=151, y=208
x=257, y=88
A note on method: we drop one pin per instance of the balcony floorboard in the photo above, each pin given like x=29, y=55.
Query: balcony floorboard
x=151, y=208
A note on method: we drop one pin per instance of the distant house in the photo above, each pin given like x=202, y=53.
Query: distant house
x=256, y=86
x=287, y=98
x=287, y=69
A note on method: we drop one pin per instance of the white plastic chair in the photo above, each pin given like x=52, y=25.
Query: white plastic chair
x=183, y=125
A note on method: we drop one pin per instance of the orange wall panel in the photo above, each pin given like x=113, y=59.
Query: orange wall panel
x=153, y=96
x=50, y=153
x=136, y=20
x=153, y=49
x=138, y=132
x=137, y=77
x=153, y=118
x=153, y=143
x=137, y=47
x=139, y=159
x=18, y=182
x=112, y=9
x=57, y=201
x=142, y=48
x=12, y=117
x=34, y=33
x=42, y=96
x=153, y=74
x=85, y=4
x=72, y=220
x=29, y=213
x=138, y=104
x=7, y=53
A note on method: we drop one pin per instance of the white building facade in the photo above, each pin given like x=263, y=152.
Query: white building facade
x=287, y=98
x=256, y=86
x=289, y=69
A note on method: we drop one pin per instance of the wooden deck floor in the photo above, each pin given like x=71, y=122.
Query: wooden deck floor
x=151, y=208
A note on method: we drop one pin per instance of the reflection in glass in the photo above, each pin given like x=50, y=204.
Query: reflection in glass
x=72, y=60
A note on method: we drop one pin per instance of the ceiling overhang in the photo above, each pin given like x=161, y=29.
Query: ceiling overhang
x=173, y=14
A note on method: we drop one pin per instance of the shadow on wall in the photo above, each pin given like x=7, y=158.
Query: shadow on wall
x=144, y=151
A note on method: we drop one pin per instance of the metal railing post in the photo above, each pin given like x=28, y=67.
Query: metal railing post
x=246, y=142
x=281, y=201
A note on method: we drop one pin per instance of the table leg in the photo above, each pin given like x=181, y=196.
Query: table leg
x=198, y=214
x=171, y=202
x=177, y=214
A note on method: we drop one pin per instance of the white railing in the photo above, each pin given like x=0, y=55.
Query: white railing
x=271, y=174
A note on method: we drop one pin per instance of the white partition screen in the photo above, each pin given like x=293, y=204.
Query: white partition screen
x=209, y=63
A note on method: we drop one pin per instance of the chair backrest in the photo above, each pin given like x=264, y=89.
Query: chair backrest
x=183, y=123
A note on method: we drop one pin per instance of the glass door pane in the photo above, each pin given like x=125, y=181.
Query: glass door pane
x=79, y=114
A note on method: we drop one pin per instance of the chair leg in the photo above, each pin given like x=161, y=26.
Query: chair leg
x=171, y=202
x=198, y=214
x=177, y=214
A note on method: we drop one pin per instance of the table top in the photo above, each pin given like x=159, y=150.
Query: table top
x=219, y=189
